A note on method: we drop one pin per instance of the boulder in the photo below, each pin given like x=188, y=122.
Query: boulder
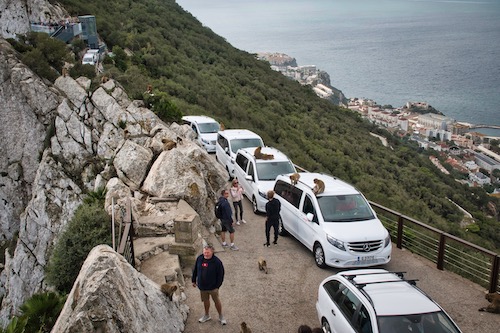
x=109, y=295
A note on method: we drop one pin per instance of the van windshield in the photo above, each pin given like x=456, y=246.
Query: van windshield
x=270, y=170
x=245, y=143
x=209, y=127
x=345, y=208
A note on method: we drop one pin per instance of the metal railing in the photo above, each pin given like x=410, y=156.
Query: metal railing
x=126, y=247
x=445, y=250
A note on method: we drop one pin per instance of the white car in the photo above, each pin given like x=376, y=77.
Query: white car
x=228, y=143
x=338, y=225
x=378, y=301
x=206, y=129
x=257, y=176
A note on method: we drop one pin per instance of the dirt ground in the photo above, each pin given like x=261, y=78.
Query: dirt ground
x=284, y=299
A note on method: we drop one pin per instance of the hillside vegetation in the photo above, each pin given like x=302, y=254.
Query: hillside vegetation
x=202, y=74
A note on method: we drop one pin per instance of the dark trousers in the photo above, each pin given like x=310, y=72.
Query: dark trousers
x=275, y=225
x=236, y=205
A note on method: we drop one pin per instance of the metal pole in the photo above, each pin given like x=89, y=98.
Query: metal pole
x=113, y=221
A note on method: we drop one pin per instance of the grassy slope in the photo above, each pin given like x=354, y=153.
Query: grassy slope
x=203, y=74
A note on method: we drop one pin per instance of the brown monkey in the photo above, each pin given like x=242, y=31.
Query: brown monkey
x=222, y=127
x=494, y=299
x=149, y=89
x=168, y=144
x=261, y=156
x=294, y=178
x=244, y=328
x=104, y=79
x=64, y=71
x=319, y=186
x=262, y=264
x=169, y=289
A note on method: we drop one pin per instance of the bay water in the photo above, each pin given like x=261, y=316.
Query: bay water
x=444, y=52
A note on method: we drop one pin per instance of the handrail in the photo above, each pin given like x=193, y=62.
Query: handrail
x=126, y=247
x=473, y=269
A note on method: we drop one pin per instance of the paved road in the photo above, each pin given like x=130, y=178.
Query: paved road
x=285, y=298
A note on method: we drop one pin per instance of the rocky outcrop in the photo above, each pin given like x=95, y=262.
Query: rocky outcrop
x=61, y=142
x=15, y=15
x=109, y=295
x=28, y=109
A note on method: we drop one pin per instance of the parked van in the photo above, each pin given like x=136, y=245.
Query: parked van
x=339, y=226
x=206, y=129
x=228, y=143
x=91, y=57
x=257, y=176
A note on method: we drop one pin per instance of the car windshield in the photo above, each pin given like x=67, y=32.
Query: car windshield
x=88, y=59
x=435, y=322
x=245, y=143
x=270, y=170
x=209, y=127
x=345, y=208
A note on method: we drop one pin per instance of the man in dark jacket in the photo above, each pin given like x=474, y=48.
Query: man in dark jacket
x=208, y=275
x=273, y=207
x=226, y=220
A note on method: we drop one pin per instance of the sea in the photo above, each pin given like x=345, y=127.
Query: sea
x=443, y=52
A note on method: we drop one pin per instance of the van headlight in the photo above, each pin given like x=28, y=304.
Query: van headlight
x=335, y=242
x=262, y=194
x=387, y=240
x=205, y=141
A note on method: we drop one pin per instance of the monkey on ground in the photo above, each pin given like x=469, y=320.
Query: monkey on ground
x=262, y=264
x=494, y=299
x=261, y=156
x=294, y=178
x=244, y=328
x=169, y=289
x=104, y=79
x=168, y=144
x=64, y=71
x=319, y=186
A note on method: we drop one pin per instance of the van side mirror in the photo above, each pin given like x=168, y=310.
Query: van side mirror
x=310, y=216
x=250, y=178
x=226, y=150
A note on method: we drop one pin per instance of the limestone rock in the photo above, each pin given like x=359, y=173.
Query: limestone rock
x=190, y=174
x=109, y=295
x=131, y=163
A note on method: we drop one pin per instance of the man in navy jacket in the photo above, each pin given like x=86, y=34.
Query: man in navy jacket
x=208, y=275
x=226, y=220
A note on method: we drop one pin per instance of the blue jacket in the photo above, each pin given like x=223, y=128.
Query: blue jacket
x=227, y=213
x=208, y=274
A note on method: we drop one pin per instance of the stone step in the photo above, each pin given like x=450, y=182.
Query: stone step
x=147, y=247
x=163, y=267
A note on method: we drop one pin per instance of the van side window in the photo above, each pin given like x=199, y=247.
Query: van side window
x=288, y=192
x=242, y=161
x=193, y=126
x=296, y=194
x=309, y=208
x=222, y=141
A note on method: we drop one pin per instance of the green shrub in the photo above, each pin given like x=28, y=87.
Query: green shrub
x=90, y=227
x=34, y=59
x=16, y=325
x=41, y=311
x=82, y=70
x=161, y=104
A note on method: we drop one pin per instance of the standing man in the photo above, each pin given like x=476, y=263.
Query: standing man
x=226, y=219
x=273, y=208
x=208, y=275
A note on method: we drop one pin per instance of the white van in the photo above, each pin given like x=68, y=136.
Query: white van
x=228, y=143
x=257, y=176
x=89, y=59
x=206, y=129
x=339, y=226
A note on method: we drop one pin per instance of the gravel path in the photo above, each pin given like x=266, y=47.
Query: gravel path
x=284, y=299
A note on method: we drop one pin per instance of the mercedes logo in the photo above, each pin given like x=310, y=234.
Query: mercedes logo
x=366, y=247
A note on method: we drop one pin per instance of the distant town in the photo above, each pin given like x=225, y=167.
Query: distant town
x=472, y=157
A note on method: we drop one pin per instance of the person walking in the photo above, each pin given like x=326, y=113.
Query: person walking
x=208, y=275
x=226, y=220
x=273, y=208
x=237, y=196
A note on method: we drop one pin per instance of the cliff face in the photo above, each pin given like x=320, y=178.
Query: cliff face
x=15, y=15
x=60, y=142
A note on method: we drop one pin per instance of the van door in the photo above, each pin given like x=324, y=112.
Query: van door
x=240, y=172
x=307, y=230
x=289, y=208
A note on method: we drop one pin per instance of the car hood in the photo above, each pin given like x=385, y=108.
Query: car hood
x=265, y=185
x=357, y=231
x=209, y=136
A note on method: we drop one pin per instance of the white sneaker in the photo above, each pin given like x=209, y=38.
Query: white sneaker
x=204, y=318
x=222, y=320
x=243, y=221
x=237, y=222
x=234, y=247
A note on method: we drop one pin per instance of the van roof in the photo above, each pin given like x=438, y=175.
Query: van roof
x=333, y=185
x=199, y=119
x=239, y=133
x=278, y=156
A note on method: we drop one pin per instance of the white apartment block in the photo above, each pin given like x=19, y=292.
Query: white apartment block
x=435, y=121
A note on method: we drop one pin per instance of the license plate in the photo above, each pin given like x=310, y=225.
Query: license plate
x=367, y=258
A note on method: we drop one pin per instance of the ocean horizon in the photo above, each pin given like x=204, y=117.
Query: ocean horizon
x=443, y=52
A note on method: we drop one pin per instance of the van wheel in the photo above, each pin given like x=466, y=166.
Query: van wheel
x=319, y=255
x=325, y=326
x=254, y=205
x=229, y=174
x=281, y=228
